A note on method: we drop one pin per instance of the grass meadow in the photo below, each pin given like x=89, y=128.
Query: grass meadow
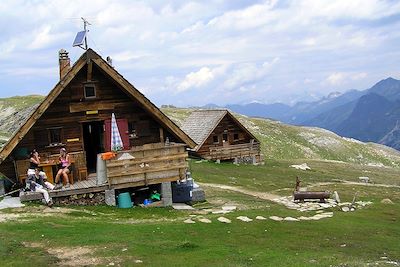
x=102, y=235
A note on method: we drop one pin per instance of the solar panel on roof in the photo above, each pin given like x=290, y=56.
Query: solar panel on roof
x=79, y=39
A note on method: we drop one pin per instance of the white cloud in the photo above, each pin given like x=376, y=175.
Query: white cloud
x=336, y=78
x=308, y=81
x=248, y=72
x=198, y=25
x=361, y=9
x=44, y=38
x=196, y=79
x=129, y=56
x=250, y=17
x=359, y=76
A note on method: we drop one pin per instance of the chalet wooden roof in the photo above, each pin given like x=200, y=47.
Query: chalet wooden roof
x=201, y=123
x=90, y=56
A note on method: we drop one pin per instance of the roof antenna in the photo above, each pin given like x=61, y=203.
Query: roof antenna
x=81, y=37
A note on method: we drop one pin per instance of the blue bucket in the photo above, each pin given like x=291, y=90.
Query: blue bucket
x=124, y=200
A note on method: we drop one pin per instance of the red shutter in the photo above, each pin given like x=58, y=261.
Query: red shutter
x=107, y=135
x=123, y=131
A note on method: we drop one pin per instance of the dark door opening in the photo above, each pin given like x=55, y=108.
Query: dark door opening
x=93, y=138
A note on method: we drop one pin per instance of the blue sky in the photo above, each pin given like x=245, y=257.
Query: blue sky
x=197, y=52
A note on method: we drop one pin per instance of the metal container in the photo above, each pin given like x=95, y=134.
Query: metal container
x=101, y=170
x=182, y=192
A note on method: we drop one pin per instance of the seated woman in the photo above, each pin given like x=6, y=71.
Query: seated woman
x=65, y=167
x=41, y=178
x=34, y=160
x=33, y=185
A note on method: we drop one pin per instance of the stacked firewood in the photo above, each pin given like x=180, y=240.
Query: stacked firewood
x=90, y=199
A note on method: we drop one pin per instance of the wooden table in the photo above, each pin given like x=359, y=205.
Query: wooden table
x=48, y=169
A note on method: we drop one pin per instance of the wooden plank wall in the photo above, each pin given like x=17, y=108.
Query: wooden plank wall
x=110, y=98
x=233, y=151
x=151, y=164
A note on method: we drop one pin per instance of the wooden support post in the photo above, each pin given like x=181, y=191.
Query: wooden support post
x=161, y=135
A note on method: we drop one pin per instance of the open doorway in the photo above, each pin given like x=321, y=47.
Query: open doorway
x=93, y=138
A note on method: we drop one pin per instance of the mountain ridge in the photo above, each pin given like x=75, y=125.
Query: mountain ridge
x=340, y=112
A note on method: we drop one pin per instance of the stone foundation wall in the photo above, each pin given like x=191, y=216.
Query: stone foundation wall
x=245, y=160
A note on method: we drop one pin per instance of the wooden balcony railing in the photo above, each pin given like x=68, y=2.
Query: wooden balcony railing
x=147, y=164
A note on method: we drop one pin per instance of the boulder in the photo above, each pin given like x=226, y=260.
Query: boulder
x=386, y=201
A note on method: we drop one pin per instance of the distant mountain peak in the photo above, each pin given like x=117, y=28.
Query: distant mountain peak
x=385, y=82
x=255, y=102
x=389, y=88
x=333, y=95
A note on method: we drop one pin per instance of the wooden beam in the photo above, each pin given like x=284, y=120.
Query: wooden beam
x=85, y=106
x=128, y=162
x=89, y=70
x=62, y=193
x=114, y=174
x=161, y=135
x=149, y=182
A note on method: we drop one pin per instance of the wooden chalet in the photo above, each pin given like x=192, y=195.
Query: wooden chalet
x=220, y=136
x=76, y=115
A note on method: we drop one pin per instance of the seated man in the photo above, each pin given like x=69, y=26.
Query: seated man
x=33, y=183
x=41, y=178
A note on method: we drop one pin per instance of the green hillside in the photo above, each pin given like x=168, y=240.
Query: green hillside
x=281, y=141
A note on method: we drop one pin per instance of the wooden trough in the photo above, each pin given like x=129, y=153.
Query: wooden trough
x=301, y=196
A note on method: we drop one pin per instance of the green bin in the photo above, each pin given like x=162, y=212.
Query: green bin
x=124, y=200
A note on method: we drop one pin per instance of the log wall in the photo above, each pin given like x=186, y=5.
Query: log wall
x=240, y=151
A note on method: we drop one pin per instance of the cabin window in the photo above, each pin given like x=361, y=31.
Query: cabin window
x=235, y=136
x=224, y=137
x=55, y=135
x=90, y=91
x=132, y=130
x=142, y=129
x=215, y=139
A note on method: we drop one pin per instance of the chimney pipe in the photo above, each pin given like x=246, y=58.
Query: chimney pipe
x=64, y=62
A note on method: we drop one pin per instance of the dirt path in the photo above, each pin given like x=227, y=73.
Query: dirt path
x=354, y=183
x=261, y=195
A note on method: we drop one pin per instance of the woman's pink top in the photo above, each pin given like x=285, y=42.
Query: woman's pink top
x=64, y=162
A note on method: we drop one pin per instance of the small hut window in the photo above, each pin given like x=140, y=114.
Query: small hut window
x=55, y=135
x=90, y=91
x=225, y=137
x=235, y=136
x=215, y=139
